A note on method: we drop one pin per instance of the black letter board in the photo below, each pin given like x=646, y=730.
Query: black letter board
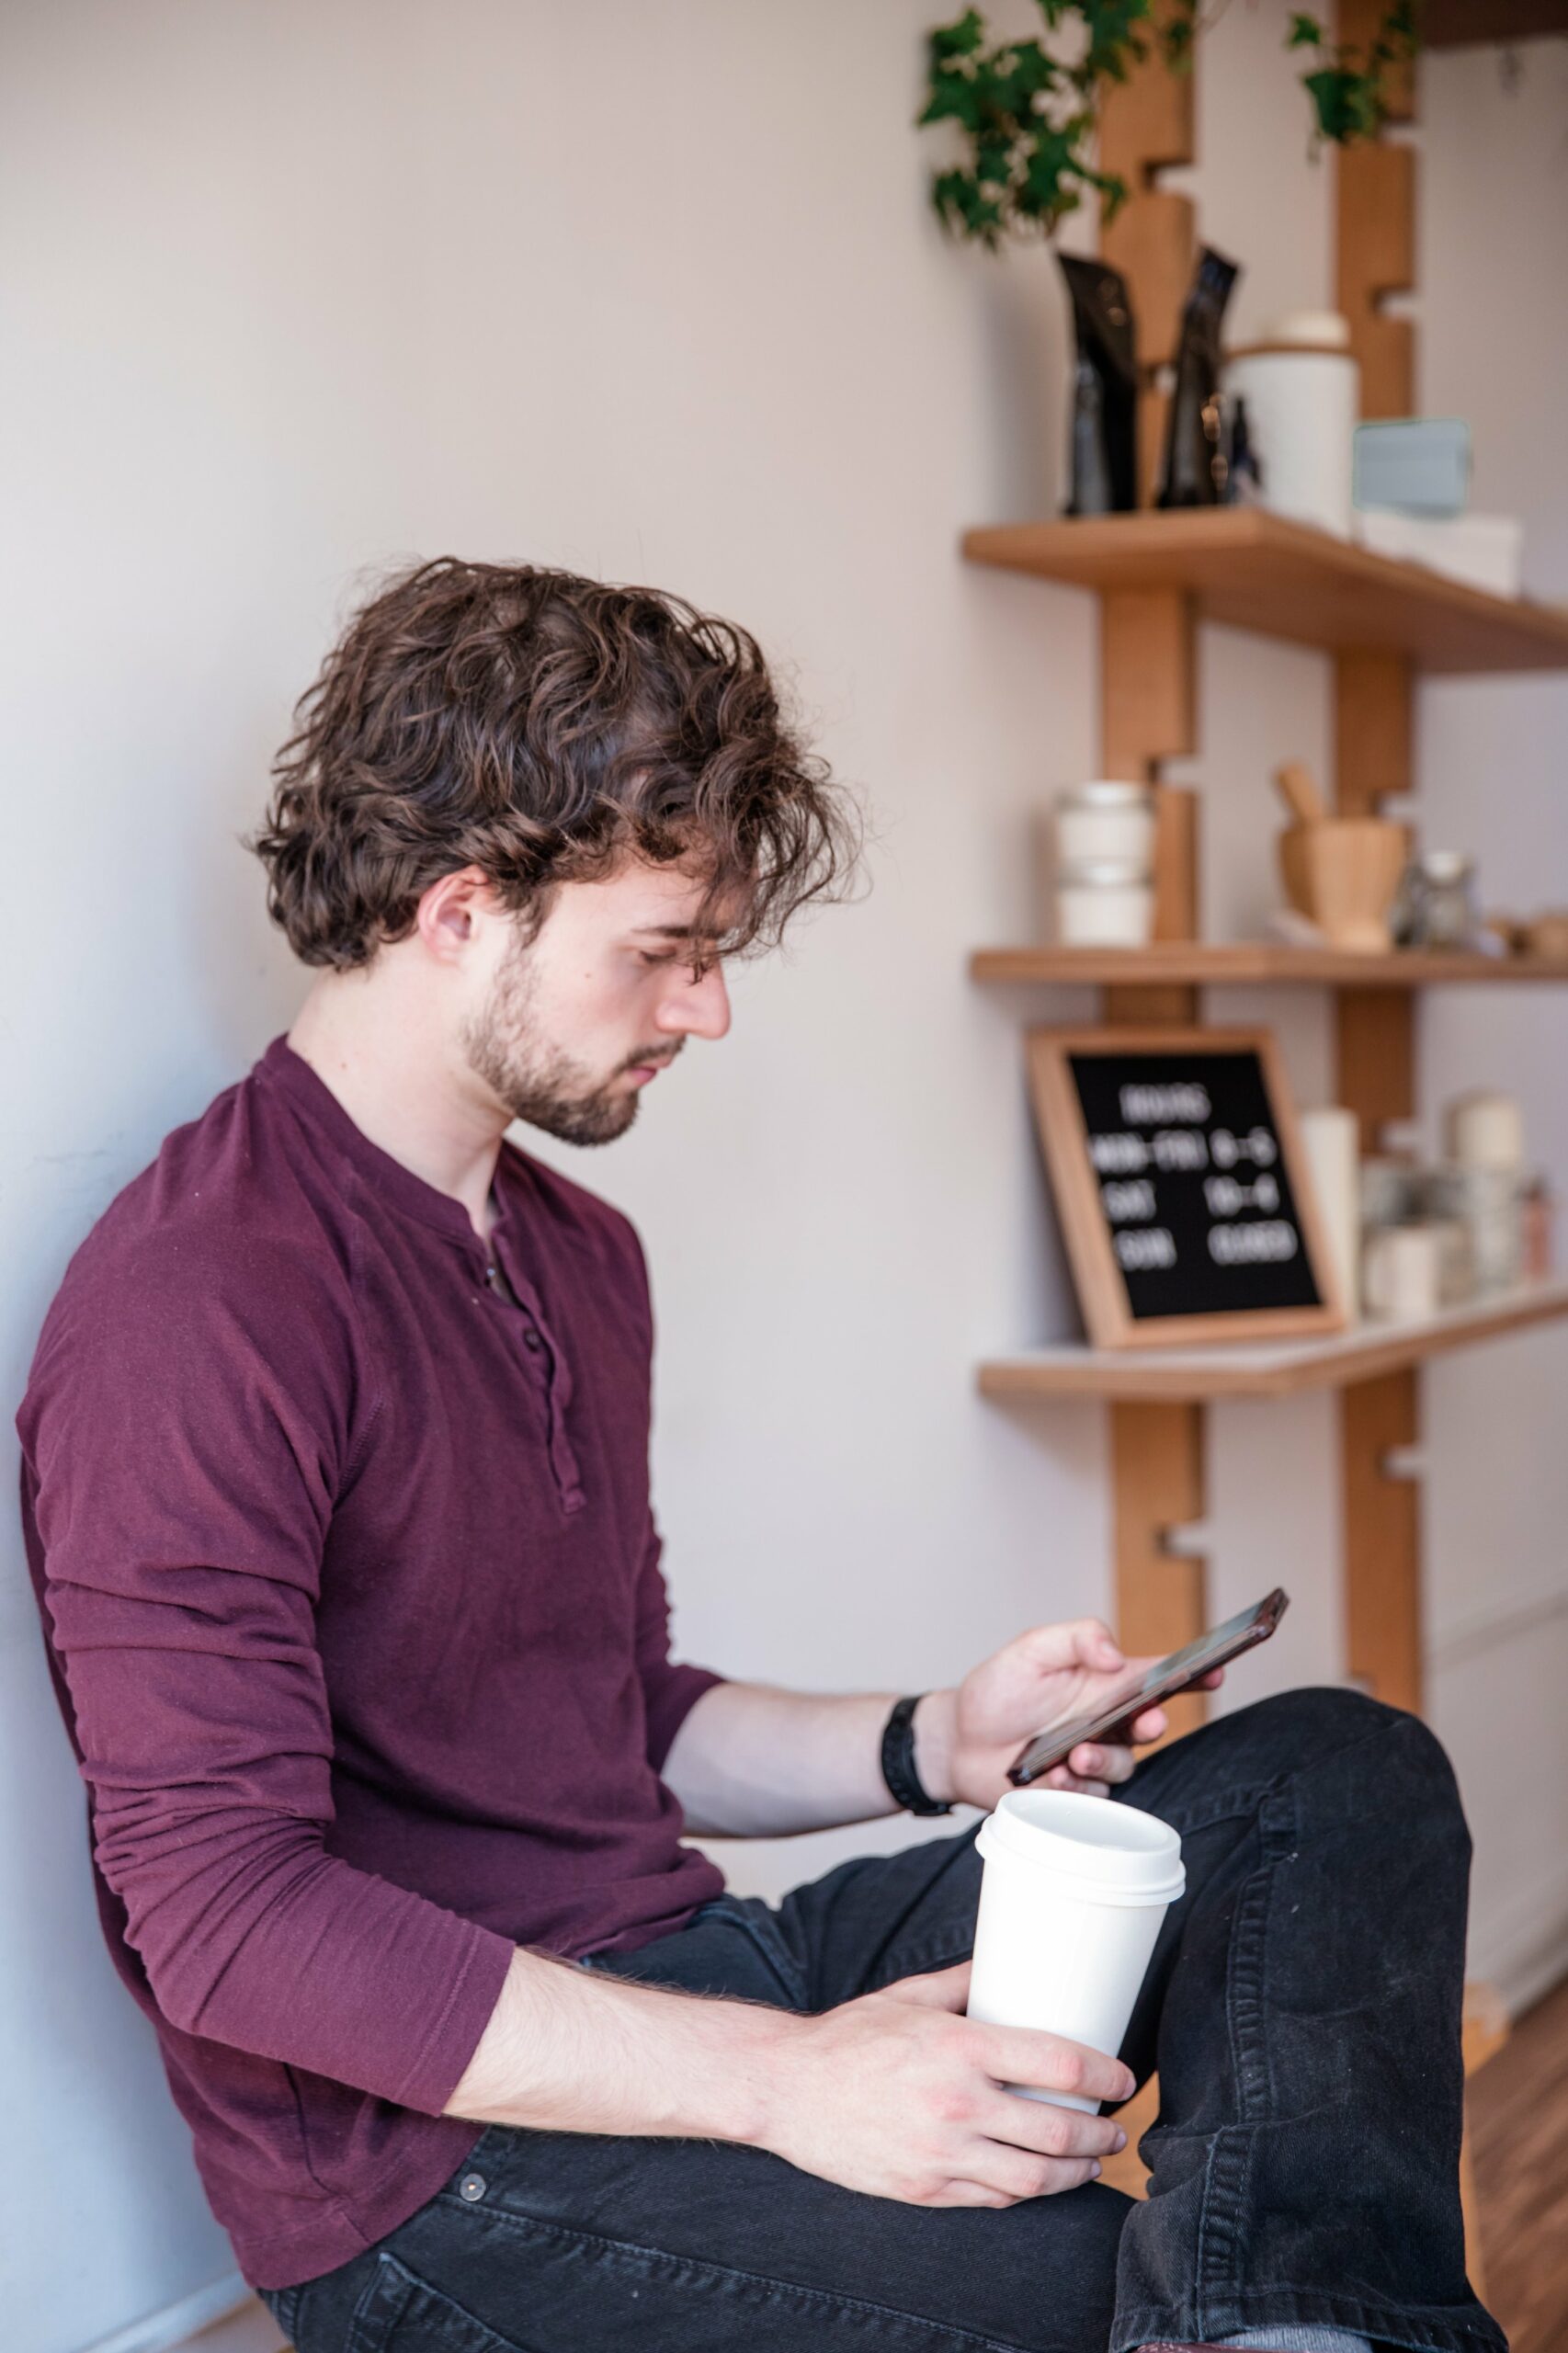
x=1177, y=1171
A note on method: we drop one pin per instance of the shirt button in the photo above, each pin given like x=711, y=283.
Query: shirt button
x=472, y=2187
x=531, y=1338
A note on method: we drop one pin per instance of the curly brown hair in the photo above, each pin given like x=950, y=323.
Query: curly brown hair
x=539, y=725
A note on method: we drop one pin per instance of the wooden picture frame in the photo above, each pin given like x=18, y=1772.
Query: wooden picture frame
x=1102, y=1286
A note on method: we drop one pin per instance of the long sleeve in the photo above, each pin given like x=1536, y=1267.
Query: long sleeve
x=670, y=1691
x=191, y=1418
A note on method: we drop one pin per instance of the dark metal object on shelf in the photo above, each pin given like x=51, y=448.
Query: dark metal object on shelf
x=1104, y=391
x=1195, y=470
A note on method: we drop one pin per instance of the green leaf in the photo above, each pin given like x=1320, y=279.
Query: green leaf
x=1025, y=74
x=1305, y=33
x=992, y=162
x=964, y=207
x=1113, y=194
x=955, y=97
x=1345, y=103
x=944, y=41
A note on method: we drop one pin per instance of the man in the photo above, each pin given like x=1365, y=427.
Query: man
x=335, y=1482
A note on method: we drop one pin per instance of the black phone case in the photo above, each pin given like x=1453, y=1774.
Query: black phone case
x=1028, y=1767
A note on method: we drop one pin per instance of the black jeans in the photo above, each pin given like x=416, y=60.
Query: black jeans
x=1304, y=2012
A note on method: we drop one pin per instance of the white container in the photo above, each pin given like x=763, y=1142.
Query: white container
x=1302, y=392
x=1073, y=1893
x=1105, y=903
x=1485, y=551
x=1485, y=1129
x=1106, y=818
x=1332, y=1139
x=1402, y=1273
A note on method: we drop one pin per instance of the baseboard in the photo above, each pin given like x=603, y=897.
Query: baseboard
x=176, y=2324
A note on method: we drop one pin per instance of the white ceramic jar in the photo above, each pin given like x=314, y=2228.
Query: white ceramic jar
x=1106, y=818
x=1302, y=388
x=1104, y=903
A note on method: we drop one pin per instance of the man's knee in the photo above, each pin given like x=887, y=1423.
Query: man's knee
x=1320, y=1719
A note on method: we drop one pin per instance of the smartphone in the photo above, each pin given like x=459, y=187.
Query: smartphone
x=1177, y=1673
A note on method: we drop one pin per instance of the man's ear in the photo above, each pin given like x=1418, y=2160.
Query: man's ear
x=453, y=911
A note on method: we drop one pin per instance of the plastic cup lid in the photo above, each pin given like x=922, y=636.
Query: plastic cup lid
x=1114, y=1853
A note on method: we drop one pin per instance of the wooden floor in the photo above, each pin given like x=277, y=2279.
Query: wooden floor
x=1518, y=2110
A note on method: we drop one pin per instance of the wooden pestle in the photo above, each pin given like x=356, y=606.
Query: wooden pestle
x=1297, y=790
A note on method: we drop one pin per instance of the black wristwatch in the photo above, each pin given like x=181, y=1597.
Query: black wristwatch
x=898, y=1760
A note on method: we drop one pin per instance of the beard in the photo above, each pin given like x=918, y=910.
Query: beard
x=540, y=1083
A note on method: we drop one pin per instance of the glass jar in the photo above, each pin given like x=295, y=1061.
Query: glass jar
x=1437, y=901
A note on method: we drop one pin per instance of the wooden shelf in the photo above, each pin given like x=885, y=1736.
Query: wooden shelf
x=1269, y=1368
x=1248, y=964
x=1259, y=572
x=1466, y=24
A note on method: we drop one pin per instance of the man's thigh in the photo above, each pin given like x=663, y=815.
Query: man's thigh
x=881, y=1917
x=567, y=2242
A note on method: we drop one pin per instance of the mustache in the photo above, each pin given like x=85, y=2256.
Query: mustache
x=652, y=1057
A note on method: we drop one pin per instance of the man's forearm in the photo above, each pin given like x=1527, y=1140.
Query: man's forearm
x=568, y=2050
x=753, y=1762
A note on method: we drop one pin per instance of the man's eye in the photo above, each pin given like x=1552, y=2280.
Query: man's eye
x=651, y=956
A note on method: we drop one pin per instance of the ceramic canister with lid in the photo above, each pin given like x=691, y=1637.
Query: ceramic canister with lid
x=1301, y=387
x=1107, y=817
x=1105, y=903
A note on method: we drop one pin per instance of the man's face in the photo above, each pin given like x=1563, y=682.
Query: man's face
x=575, y=1023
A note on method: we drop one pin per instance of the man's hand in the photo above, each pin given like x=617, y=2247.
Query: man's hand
x=894, y=2095
x=966, y=1739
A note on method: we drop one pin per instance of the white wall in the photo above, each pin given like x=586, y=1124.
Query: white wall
x=298, y=286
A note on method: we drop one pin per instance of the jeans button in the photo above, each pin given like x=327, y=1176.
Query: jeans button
x=472, y=2187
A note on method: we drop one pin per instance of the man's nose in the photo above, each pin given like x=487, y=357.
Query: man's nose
x=701, y=1009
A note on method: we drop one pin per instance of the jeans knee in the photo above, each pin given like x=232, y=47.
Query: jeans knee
x=1319, y=1716
x=1318, y=1719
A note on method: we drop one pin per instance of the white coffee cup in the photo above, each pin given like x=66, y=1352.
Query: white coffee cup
x=1070, y=1901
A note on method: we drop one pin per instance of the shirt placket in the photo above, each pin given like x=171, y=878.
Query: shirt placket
x=544, y=1362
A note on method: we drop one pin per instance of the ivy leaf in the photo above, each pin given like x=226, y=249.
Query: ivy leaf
x=955, y=97
x=965, y=209
x=994, y=162
x=1112, y=32
x=1345, y=103
x=1026, y=73
x=1042, y=191
x=1305, y=33
x=962, y=40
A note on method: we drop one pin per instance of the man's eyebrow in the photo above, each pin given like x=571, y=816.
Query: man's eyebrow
x=671, y=931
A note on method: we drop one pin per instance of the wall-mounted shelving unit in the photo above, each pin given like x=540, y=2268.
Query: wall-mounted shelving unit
x=1381, y=623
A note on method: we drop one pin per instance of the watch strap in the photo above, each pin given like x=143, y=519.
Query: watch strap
x=898, y=1760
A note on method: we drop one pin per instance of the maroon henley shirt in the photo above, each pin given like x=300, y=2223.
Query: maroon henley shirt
x=352, y=1600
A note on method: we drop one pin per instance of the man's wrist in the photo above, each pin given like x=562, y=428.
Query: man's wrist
x=932, y=1727
x=743, y=2093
